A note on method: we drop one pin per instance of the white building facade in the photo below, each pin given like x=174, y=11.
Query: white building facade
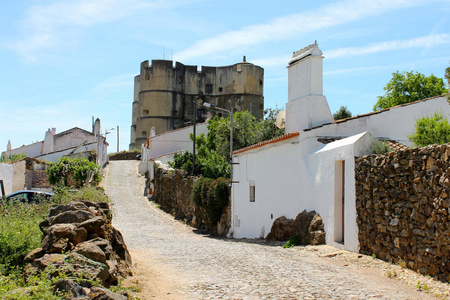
x=298, y=171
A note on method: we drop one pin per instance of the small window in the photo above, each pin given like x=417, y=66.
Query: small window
x=144, y=133
x=220, y=89
x=260, y=82
x=145, y=112
x=208, y=88
x=252, y=193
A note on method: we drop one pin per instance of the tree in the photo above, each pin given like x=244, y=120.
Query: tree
x=408, y=87
x=213, y=151
x=431, y=130
x=342, y=113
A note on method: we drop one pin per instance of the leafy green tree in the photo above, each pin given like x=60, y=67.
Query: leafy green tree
x=408, y=87
x=342, y=113
x=431, y=130
x=213, y=151
x=82, y=171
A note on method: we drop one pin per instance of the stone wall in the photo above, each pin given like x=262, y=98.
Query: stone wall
x=173, y=192
x=403, y=208
x=124, y=155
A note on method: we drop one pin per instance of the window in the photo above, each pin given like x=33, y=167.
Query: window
x=208, y=88
x=144, y=133
x=220, y=89
x=145, y=112
x=252, y=192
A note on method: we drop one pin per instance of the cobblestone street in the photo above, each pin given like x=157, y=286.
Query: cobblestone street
x=196, y=266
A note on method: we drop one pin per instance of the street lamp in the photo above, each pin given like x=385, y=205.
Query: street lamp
x=208, y=105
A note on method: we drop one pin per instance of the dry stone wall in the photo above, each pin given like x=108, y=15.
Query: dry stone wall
x=173, y=192
x=403, y=208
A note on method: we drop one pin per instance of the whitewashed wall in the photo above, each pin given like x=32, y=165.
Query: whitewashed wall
x=32, y=150
x=395, y=123
x=175, y=140
x=6, y=174
x=168, y=143
x=291, y=176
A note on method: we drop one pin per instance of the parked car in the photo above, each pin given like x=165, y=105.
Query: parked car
x=29, y=196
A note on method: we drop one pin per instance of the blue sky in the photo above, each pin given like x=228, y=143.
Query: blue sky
x=62, y=62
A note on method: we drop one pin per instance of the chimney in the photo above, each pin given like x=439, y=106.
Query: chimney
x=307, y=107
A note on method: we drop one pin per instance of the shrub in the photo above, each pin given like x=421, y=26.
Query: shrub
x=19, y=232
x=431, y=130
x=217, y=199
x=80, y=169
x=200, y=191
x=380, y=147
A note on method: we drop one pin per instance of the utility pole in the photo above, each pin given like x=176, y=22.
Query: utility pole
x=117, y=138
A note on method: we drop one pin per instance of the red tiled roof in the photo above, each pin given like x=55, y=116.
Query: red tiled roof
x=272, y=141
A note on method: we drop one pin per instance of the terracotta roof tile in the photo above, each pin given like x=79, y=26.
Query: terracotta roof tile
x=272, y=141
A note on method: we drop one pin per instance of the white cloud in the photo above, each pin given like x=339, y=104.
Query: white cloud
x=59, y=23
x=294, y=25
x=420, y=42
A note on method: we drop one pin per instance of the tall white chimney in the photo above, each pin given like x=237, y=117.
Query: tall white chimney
x=307, y=107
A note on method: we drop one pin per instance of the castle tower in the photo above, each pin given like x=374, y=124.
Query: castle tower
x=164, y=95
x=307, y=107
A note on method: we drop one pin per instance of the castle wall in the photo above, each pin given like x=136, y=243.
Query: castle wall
x=164, y=95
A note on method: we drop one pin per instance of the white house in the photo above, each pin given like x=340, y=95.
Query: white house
x=312, y=166
x=72, y=142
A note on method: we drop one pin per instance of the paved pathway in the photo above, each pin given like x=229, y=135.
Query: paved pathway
x=200, y=267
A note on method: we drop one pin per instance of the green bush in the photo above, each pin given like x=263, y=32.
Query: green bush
x=380, y=147
x=217, y=199
x=19, y=232
x=80, y=169
x=431, y=130
x=200, y=191
x=213, y=195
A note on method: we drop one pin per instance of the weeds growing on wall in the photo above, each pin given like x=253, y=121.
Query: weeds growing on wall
x=213, y=195
x=12, y=157
x=380, y=147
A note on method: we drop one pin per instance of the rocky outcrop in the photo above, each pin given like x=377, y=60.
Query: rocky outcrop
x=403, y=208
x=307, y=226
x=80, y=241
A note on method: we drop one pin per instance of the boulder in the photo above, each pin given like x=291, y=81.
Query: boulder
x=307, y=226
x=70, y=286
x=62, y=237
x=282, y=229
x=90, y=251
x=74, y=216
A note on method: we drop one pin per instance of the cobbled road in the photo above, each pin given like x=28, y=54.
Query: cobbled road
x=200, y=267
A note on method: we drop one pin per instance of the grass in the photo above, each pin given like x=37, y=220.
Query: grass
x=20, y=234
